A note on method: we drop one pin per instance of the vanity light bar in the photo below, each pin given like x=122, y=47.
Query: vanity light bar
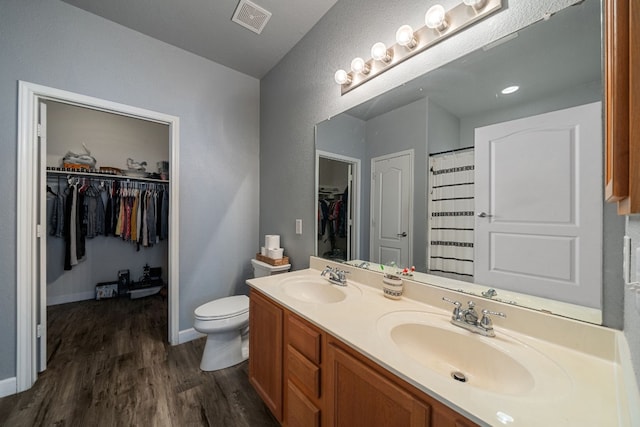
x=454, y=20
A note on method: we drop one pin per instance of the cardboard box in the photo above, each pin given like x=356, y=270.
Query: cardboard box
x=106, y=290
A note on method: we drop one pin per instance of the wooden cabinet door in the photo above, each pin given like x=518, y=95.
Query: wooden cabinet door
x=359, y=396
x=622, y=100
x=265, y=346
x=301, y=411
x=445, y=417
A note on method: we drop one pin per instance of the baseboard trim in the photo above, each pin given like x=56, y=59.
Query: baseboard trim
x=8, y=387
x=64, y=299
x=189, y=335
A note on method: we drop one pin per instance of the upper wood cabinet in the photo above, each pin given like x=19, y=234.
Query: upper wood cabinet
x=622, y=100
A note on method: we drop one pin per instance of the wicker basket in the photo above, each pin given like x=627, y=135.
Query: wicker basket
x=282, y=261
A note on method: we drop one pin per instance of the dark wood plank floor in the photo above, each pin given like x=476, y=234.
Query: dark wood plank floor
x=110, y=365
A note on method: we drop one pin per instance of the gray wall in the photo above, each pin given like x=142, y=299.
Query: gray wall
x=402, y=129
x=51, y=43
x=300, y=92
x=632, y=299
x=345, y=135
x=443, y=131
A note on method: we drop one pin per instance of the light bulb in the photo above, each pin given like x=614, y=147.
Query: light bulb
x=379, y=52
x=405, y=37
x=476, y=4
x=342, y=78
x=436, y=18
x=509, y=89
x=359, y=66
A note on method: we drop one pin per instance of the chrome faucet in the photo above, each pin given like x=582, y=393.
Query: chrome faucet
x=336, y=276
x=468, y=319
x=490, y=293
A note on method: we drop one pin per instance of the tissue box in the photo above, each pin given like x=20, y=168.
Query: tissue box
x=106, y=290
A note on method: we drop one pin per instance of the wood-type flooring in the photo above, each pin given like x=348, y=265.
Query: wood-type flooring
x=109, y=364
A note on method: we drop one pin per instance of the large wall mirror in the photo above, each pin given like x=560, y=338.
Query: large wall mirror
x=492, y=193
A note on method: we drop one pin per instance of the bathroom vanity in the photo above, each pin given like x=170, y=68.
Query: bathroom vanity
x=326, y=355
x=307, y=377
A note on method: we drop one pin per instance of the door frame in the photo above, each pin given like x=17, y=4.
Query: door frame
x=28, y=197
x=411, y=154
x=355, y=196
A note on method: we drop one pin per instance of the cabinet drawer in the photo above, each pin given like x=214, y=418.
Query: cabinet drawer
x=304, y=339
x=300, y=410
x=305, y=373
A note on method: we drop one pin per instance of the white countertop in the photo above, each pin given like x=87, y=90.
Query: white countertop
x=590, y=363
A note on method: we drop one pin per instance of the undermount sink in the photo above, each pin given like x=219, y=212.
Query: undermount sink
x=501, y=365
x=317, y=290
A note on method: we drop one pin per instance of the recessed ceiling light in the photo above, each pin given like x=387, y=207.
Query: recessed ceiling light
x=509, y=89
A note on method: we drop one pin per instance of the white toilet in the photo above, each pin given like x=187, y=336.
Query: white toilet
x=226, y=323
x=261, y=269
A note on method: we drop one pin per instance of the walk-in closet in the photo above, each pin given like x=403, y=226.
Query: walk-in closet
x=333, y=208
x=107, y=206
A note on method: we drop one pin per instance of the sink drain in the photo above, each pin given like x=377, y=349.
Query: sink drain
x=459, y=376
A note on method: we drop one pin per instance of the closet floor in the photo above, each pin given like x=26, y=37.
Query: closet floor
x=110, y=365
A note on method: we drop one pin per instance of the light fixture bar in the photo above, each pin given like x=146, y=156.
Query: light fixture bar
x=458, y=18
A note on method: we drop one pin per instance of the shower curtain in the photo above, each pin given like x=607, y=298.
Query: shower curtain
x=451, y=214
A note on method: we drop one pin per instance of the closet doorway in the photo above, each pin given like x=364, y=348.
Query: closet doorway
x=32, y=217
x=338, y=206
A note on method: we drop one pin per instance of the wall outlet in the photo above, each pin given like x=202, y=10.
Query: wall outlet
x=298, y=226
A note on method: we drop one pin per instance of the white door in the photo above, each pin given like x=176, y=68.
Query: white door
x=349, y=208
x=41, y=324
x=539, y=205
x=392, y=208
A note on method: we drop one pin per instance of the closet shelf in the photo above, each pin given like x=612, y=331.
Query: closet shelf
x=54, y=171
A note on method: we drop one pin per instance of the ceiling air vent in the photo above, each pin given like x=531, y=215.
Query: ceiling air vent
x=251, y=16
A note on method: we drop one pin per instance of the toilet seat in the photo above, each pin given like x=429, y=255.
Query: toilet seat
x=223, y=308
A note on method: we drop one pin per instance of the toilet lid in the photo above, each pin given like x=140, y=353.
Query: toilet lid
x=223, y=308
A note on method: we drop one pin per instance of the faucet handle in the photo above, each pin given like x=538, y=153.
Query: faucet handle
x=456, y=303
x=495, y=313
x=457, y=312
x=341, y=274
x=486, y=321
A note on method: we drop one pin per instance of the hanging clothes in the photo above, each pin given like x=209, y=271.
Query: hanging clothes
x=134, y=212
x=56, y=220
x=70, y=254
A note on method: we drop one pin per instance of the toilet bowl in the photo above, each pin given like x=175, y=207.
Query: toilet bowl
x=225, y=321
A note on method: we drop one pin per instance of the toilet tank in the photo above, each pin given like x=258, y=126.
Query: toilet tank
x=262, y=269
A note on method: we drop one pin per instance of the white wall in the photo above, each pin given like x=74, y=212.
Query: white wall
x=300, y=92
x=52, y=43
x=111, y=138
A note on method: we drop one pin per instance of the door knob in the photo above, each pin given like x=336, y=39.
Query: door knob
x=403, y=234
x=484, y=215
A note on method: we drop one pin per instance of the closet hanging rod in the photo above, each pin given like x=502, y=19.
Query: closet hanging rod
x=104, y=176
x=451, y=151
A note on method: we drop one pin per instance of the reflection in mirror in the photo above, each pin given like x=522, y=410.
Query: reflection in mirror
x=506, y=195
x=338, y=194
